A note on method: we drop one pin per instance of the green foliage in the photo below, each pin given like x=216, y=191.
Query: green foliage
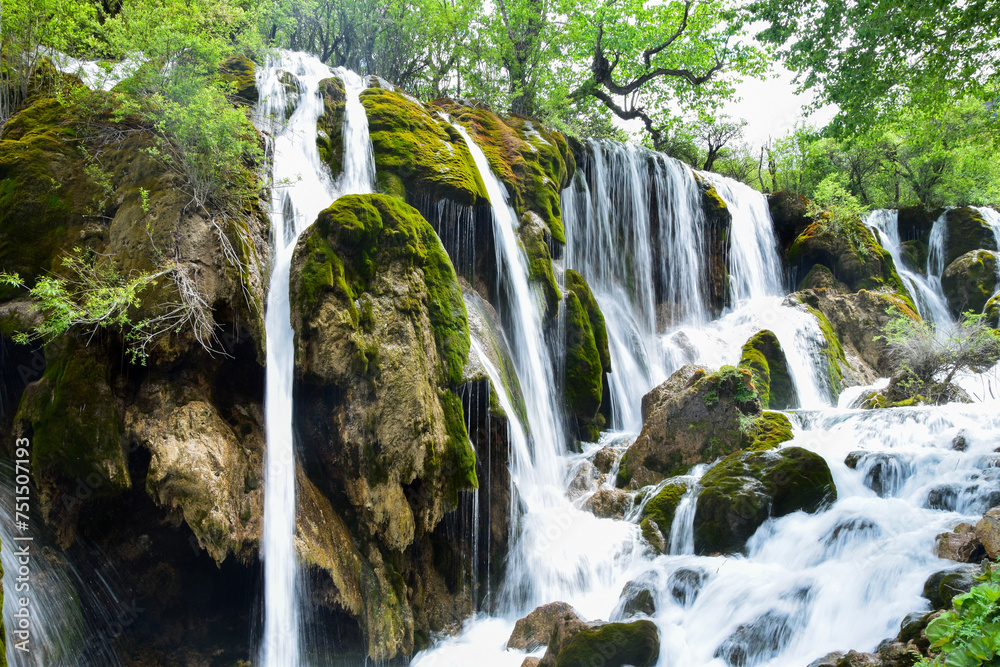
x=928, y=358
x=837, y=212
x=969, y=634
x=95, y=296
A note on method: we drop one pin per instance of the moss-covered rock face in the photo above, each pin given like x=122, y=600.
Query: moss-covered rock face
x=330, y=125
x=76, y=432
x=852, y=324
x=534, y=163
x=789, y=215
x=658, y=514
x=746, y=488
x=765, y=359
x=970, y=281
x=966, y=231
x=718, y=222
x=584, y=372
x=240, y=73
x=696, y=421
x=417, y=153
x=535, y=236
x=588, y=357
x=45, y=191
x=382, y=340
x=820, y=277
x=916, y=222
x=609, y=645
x=855, y=258
x=578, y=285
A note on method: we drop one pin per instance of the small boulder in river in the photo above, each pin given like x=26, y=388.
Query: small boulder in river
x=988, y=532
x=961, y=544
x=763, y=357
x=609, y=645
x=942, y=587
x=636, y=598
x=605, y=459
x=609, y=503
x=536, y=629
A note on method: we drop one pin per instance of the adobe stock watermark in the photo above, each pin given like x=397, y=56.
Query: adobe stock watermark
x=24, y=613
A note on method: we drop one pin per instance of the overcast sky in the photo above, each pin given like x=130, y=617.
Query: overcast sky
x=772, y=107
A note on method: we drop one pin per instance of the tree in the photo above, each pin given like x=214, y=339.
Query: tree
x=872, y=57
x=715, y=133
x=646, y=59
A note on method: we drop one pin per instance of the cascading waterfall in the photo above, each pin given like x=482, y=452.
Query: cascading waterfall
x=928, y=297
x=302, y=187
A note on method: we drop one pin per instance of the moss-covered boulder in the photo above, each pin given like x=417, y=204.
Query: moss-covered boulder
x=418, y=153
x=763, y=356
x=850, y=251
x=992, y=310
x=71, y=416
x=382, y=342
x=330, y=124
x=746, y=488
x=820, y=277
x=970, y=281
x=578, y=285
x=699, y=420
x=966, y=231
x=636, y=643
x=534, y=162
x=915, y=222
x=658, y=515
x=789, y=213
x=535, y=238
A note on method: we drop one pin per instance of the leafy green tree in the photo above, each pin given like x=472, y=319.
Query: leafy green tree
x=872, y=57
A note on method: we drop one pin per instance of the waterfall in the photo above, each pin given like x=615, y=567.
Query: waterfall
x=301, y=188
x=928, y=297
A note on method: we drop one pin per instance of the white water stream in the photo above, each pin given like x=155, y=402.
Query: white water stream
x=302, y=187
x=809, y=583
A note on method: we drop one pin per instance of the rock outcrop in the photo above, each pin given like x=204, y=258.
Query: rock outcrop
x=970, y=281
x=765, y=359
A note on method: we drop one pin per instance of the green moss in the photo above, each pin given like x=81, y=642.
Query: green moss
x=966, y=231
x=970, y=281
x=584, y=372
x=360, y=233
x=534, y=164
x=834, y=352
x=992, y=310
x=763, y=357
x=636, y=643
x=576, y=284
x=461, y=462
x=770, y=430
x=424, y=153
x=329, y=126
x=914, y=255
x=532, y=233
x=662, y=507
x=240, y=73
x=76, y=430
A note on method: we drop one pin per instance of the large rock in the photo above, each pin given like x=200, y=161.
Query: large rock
x=381, y=347
x=988, y=532
x=330, y=124
x=970, y=281
x=789, y=214
x=762, y=354
x=536, y=238
x=966, y=231
x=692, y=418
x=635, y=644
x=852, y=325
x=855, y=258
x=537, y=628
x=746, y=488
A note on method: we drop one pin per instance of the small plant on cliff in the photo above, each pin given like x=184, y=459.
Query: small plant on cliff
x=928, y=359
x=837, y=212
x=969, y=634
x=94, y=295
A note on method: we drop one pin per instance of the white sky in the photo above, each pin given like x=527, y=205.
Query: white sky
x=772, y=107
